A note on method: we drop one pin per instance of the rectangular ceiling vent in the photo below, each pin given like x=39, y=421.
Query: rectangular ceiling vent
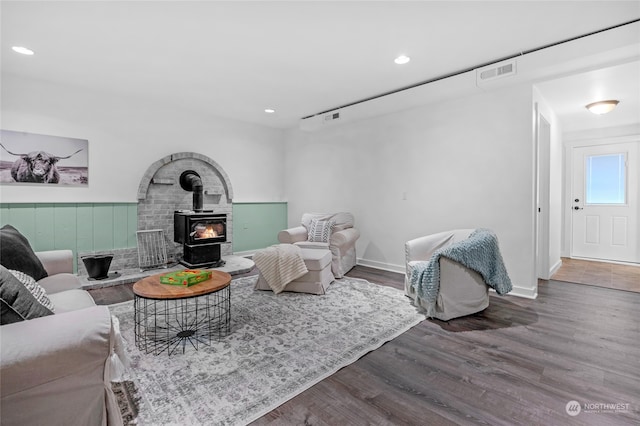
x=318, y=121
x=496, y=71
x=331, y=117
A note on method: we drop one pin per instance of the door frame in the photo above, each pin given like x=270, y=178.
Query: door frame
x=543, y=166
x=567, y=176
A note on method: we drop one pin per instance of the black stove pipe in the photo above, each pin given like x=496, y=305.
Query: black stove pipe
x=190, y=181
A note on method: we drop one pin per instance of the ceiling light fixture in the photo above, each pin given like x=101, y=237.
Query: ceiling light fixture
x=22, y=50
x=402, y=59
x=602, y=107
x=269, y=110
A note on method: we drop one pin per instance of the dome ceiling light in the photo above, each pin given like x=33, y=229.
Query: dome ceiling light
x=602, y=107
x=23, y=50
x=402, y=59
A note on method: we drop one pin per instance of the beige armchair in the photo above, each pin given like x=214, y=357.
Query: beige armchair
x=56, y=369
x=341, y=240
x=462, y=290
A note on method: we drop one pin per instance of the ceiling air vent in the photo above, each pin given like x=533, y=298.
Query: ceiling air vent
x=318, y=121
x=495, y=71
x=331, y=117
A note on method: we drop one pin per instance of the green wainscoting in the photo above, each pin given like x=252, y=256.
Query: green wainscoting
x=106, y=226
x=76, y=226
x=256, y=225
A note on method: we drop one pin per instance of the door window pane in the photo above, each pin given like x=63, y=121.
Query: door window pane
x=606, y=178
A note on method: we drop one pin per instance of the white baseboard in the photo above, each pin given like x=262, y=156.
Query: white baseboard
x=617, y=262
x=401, y=269
x=247, y=253
x=527, y=293
x=555, y=268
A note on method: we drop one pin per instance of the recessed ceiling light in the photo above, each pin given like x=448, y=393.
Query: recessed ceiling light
x=269, y=110
x=602, y=107
x=22, y=50
x=402, y=59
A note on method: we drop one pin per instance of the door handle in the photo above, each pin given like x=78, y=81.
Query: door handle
x=577, y=208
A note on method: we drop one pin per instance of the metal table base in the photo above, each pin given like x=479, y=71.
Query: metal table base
x=166, y=325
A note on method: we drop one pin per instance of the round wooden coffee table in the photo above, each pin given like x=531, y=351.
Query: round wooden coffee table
x=168, y=317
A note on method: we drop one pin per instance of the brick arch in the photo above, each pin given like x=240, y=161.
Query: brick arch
x=147, y=178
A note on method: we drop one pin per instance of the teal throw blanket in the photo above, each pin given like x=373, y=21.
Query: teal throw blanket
x=479, y=252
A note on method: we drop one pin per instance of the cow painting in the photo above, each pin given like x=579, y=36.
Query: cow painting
x=36, y=166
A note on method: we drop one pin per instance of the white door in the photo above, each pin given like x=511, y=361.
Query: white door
x=604, y=202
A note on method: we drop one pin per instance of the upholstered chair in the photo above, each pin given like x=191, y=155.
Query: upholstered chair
x=327, y=231
x=56, y=369
x=462, y=290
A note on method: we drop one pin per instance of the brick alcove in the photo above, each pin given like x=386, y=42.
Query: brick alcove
x=160, y=194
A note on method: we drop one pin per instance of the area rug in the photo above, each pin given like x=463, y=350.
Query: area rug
x=279, y=346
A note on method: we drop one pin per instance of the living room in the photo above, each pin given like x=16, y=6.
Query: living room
x=482, y=140
x=443, y=155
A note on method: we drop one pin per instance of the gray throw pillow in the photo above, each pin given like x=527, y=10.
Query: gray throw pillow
x=16, y=253
x=16, y=302
x=36, y=289
x=320, y=230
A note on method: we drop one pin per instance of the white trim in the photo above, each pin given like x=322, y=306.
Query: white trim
x=401, y=269
x=527, y=293
x=246, y=253
x=555, y=268
x=603, y=140
x=543, y=173
x=617, y=262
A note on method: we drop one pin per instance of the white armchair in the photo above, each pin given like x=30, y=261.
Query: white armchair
x=462, y=290
x=56, y=369
x=341, y=242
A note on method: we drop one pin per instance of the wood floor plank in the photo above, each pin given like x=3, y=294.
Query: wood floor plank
x=519, y=362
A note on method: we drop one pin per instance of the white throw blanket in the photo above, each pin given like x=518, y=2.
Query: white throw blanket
x=280, y=264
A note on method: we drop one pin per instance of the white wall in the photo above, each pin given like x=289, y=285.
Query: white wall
x=127, y=135
x=462, y=163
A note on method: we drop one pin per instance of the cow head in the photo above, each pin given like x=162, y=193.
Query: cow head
x=40, y=163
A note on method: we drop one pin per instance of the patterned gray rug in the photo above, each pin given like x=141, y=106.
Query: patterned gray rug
x=278, y=347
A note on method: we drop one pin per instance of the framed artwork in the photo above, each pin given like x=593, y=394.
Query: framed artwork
x=29, y=158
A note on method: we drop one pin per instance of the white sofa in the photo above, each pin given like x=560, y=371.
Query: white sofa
x=342, y=242
x=56, y=369
x=462, y=290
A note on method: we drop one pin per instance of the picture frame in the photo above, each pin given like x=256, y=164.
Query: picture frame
x=36, y=159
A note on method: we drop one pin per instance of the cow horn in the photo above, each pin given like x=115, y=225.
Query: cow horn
x=62, y=158
x=12, y=153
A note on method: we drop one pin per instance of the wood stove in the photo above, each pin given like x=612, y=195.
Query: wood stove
x=199, y=231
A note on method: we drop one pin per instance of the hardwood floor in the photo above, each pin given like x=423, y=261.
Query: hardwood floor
x=601, y=274
x=520, y=361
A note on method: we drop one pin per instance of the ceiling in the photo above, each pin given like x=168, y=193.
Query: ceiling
x=234, y=59
x=568, y=97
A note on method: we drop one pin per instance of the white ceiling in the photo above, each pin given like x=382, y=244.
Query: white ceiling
x=568, y=97
x=234, y=59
